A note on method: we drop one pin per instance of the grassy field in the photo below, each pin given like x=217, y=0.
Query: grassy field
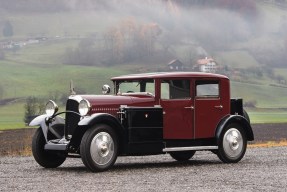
x=230, y=58
x=266, y=96
x=267, y=115
x=44, y=82
x=38, y=70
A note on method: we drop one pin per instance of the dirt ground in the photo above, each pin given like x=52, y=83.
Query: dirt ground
x=270, y=132
x=18, y=142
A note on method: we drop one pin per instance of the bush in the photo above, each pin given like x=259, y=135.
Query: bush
x=251, y=104
x=33, y=108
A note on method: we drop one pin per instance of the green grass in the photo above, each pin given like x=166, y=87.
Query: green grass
x=231, y=59
x=267, y=115
x=37, y=70
x=266, y=96
x=11, y=116
x=282, y=72
x=41, y=82
x=43, y=53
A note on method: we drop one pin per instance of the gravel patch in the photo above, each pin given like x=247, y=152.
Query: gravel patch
x=262, y=169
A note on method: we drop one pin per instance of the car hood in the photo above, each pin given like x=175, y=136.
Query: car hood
x=112, y=100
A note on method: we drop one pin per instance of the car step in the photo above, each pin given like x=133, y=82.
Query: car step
x=196, y=148
x=57, y=144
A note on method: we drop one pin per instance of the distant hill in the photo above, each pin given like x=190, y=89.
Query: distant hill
x=91, y=41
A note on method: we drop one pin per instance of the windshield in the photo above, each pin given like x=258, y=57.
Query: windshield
x=135, y=86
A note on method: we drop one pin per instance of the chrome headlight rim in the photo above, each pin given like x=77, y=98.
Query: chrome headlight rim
x=51, y=108
x=84, y=107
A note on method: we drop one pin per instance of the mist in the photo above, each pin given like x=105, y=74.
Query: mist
x=211, y=28
x=196, y=28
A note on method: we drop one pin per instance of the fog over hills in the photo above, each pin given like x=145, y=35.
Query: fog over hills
x=48, y=40
x=201, y=28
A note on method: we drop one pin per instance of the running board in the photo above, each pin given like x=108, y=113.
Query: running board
x=57, y=147
x=57, y=144
x=197, y=148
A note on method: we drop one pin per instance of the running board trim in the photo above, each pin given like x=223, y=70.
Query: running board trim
x=197, y=148
x=57, y=147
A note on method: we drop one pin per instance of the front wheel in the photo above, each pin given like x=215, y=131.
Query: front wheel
x=45, y=158
x=182, y=155
x=232, y=144
x=99, y=148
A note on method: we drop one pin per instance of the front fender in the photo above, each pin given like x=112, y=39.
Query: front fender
x=235, y=119
x=98, y=117
x=38, y=120
x=41, y=121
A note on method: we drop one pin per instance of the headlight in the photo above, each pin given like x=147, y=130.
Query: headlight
x=84, y=107
x=51, y=108
x=106, y=89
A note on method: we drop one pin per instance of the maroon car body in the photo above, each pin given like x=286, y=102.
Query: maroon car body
x=153, y=113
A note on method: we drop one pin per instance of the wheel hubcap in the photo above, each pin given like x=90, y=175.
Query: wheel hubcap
x=102, y=148
x=233, y=143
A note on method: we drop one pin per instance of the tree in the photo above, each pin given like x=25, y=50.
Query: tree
x=33, y=107
x=8, y=29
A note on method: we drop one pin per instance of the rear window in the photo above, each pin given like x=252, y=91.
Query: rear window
x=207, y=88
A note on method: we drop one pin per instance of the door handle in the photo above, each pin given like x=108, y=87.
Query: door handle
x=219, y=107
x=191, y=107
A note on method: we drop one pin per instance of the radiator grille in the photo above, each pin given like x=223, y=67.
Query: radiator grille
x=72, y=119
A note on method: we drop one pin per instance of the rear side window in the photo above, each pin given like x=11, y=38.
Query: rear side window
x=175, y=89
x=207, y=88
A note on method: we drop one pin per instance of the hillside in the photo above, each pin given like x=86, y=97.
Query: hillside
x=132, y=39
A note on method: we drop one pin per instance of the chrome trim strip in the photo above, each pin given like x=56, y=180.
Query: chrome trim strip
x=197, y=148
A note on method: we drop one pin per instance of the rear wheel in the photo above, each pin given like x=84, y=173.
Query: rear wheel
x=45, y=158
x=232, y=144
x=99, y=148
x=182, y=155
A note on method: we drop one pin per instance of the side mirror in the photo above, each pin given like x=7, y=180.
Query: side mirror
x=106, y=89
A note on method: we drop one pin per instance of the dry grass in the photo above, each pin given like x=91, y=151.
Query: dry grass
x=26, y=150
x=18, y=143
x=22, y=151
x=281, y=143
x=15, y=143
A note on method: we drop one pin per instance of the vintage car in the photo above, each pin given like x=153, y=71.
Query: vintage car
x=153, y=113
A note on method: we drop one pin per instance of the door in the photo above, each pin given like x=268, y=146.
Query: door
x=178, y=110
x=208, y=108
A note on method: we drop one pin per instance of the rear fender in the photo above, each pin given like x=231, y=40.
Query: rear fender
x=235, y=119
x=41, y=121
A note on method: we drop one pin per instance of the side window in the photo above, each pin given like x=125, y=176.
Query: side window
x=136, y=86
x=175, y=89
x=207, y=88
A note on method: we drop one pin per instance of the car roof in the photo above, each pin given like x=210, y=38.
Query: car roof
x=160, y=75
